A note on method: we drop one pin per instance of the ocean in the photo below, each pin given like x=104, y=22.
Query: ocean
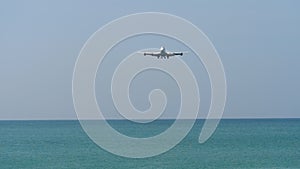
x=253, y=143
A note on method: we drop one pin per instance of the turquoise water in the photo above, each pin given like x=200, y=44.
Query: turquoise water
x=267, y=143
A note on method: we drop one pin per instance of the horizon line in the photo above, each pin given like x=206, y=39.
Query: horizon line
x=243, y=118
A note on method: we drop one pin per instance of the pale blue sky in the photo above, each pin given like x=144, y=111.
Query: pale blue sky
x=258, y=42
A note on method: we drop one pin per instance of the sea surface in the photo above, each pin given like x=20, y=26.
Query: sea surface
x=257, y=143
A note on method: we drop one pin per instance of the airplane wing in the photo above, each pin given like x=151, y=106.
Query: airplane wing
x=156, y=54
x=175, y=53
x=178, y=53
x=152, y=53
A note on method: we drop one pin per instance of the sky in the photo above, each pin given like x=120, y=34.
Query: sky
x=258, y=43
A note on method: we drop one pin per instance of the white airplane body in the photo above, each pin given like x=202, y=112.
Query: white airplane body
x=163, y=53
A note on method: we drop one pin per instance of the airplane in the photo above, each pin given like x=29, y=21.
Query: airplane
x=163, y=53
